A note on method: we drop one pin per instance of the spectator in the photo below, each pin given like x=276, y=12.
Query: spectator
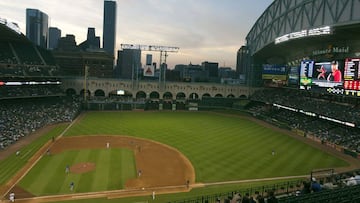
x=246, y=198
x=306, y=188
x=259, y=198
x=351, y=181
x=271, y=197
x=20, y=118
x=329, y=184
x=315, y=186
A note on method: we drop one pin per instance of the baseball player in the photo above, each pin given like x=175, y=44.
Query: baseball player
x=67, y=169
x=72, y=186
x=12, y=197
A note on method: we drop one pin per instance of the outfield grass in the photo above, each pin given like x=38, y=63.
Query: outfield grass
x=13, y=163
x=220, y=147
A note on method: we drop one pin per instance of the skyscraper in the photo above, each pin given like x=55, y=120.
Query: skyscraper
x=92, y=41
x=148, y=59
x=243, y=69
x=54, y=36
x=109, y=26
x=37, y=27
x=129, y=63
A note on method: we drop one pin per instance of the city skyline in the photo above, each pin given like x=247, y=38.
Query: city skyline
x=205, y=30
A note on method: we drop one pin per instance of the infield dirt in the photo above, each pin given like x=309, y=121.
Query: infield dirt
x=160, y=164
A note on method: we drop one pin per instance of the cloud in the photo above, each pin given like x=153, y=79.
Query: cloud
x=210, y=30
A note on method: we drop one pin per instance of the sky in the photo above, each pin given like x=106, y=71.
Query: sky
x=204, y=30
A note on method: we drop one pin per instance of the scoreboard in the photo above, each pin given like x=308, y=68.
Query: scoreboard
x=319, y=76
x=306, y=72
x=352, y=74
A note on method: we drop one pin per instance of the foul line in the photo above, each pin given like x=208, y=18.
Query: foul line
x=37, y=160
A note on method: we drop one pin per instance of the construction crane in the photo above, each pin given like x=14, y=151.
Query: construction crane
x=162, y=49
x=150, y=47
x=163, y=55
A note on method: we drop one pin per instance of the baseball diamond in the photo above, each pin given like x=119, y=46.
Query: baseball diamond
x=85, y=123
x=164, y=166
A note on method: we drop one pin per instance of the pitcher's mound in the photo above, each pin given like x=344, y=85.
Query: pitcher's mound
x=82, y=167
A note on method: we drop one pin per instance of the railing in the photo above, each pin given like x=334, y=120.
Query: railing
x=288, y=187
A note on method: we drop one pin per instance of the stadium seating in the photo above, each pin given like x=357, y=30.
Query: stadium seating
x=27, y=54
x=21, y=117
x=324, y=130
x=48, y=58
x=290, y=192
x=6, y=55
x=333, y=107
x=343, y=194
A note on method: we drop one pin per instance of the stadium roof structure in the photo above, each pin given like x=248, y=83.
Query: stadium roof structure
x=341, y=36
x=294, y=25
x=9, y=34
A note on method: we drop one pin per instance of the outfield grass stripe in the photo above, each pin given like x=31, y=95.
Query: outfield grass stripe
x=39, y=175
x=127, y=167
x=56, y=180
x=101, y=176
x=57, y=174
x=114, y=175
x=79, y=157
x=11, y=165
x=88, y=181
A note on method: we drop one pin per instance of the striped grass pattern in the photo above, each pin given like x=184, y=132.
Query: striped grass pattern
x=220, y=147
x=10, y=165
x=113, y=167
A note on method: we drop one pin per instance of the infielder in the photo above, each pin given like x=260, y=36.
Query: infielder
x=67, y=169
x=72, y=186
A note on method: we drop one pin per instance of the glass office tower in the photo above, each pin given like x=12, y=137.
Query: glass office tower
x=54, y=36
x=109, y=26
x=37, y=27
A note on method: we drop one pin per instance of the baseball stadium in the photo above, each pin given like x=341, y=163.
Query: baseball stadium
x=290, y=133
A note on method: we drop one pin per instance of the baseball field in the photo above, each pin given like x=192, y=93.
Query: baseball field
x=132, y=151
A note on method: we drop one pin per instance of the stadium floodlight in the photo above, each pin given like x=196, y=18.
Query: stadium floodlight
x=326, y=30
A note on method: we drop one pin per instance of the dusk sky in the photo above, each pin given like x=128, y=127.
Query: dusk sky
x=204, y=30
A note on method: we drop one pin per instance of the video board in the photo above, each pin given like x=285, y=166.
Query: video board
x=306, y=73
x=352, y=74
x=274, y=75
x=324, y=74
x=293, y=76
